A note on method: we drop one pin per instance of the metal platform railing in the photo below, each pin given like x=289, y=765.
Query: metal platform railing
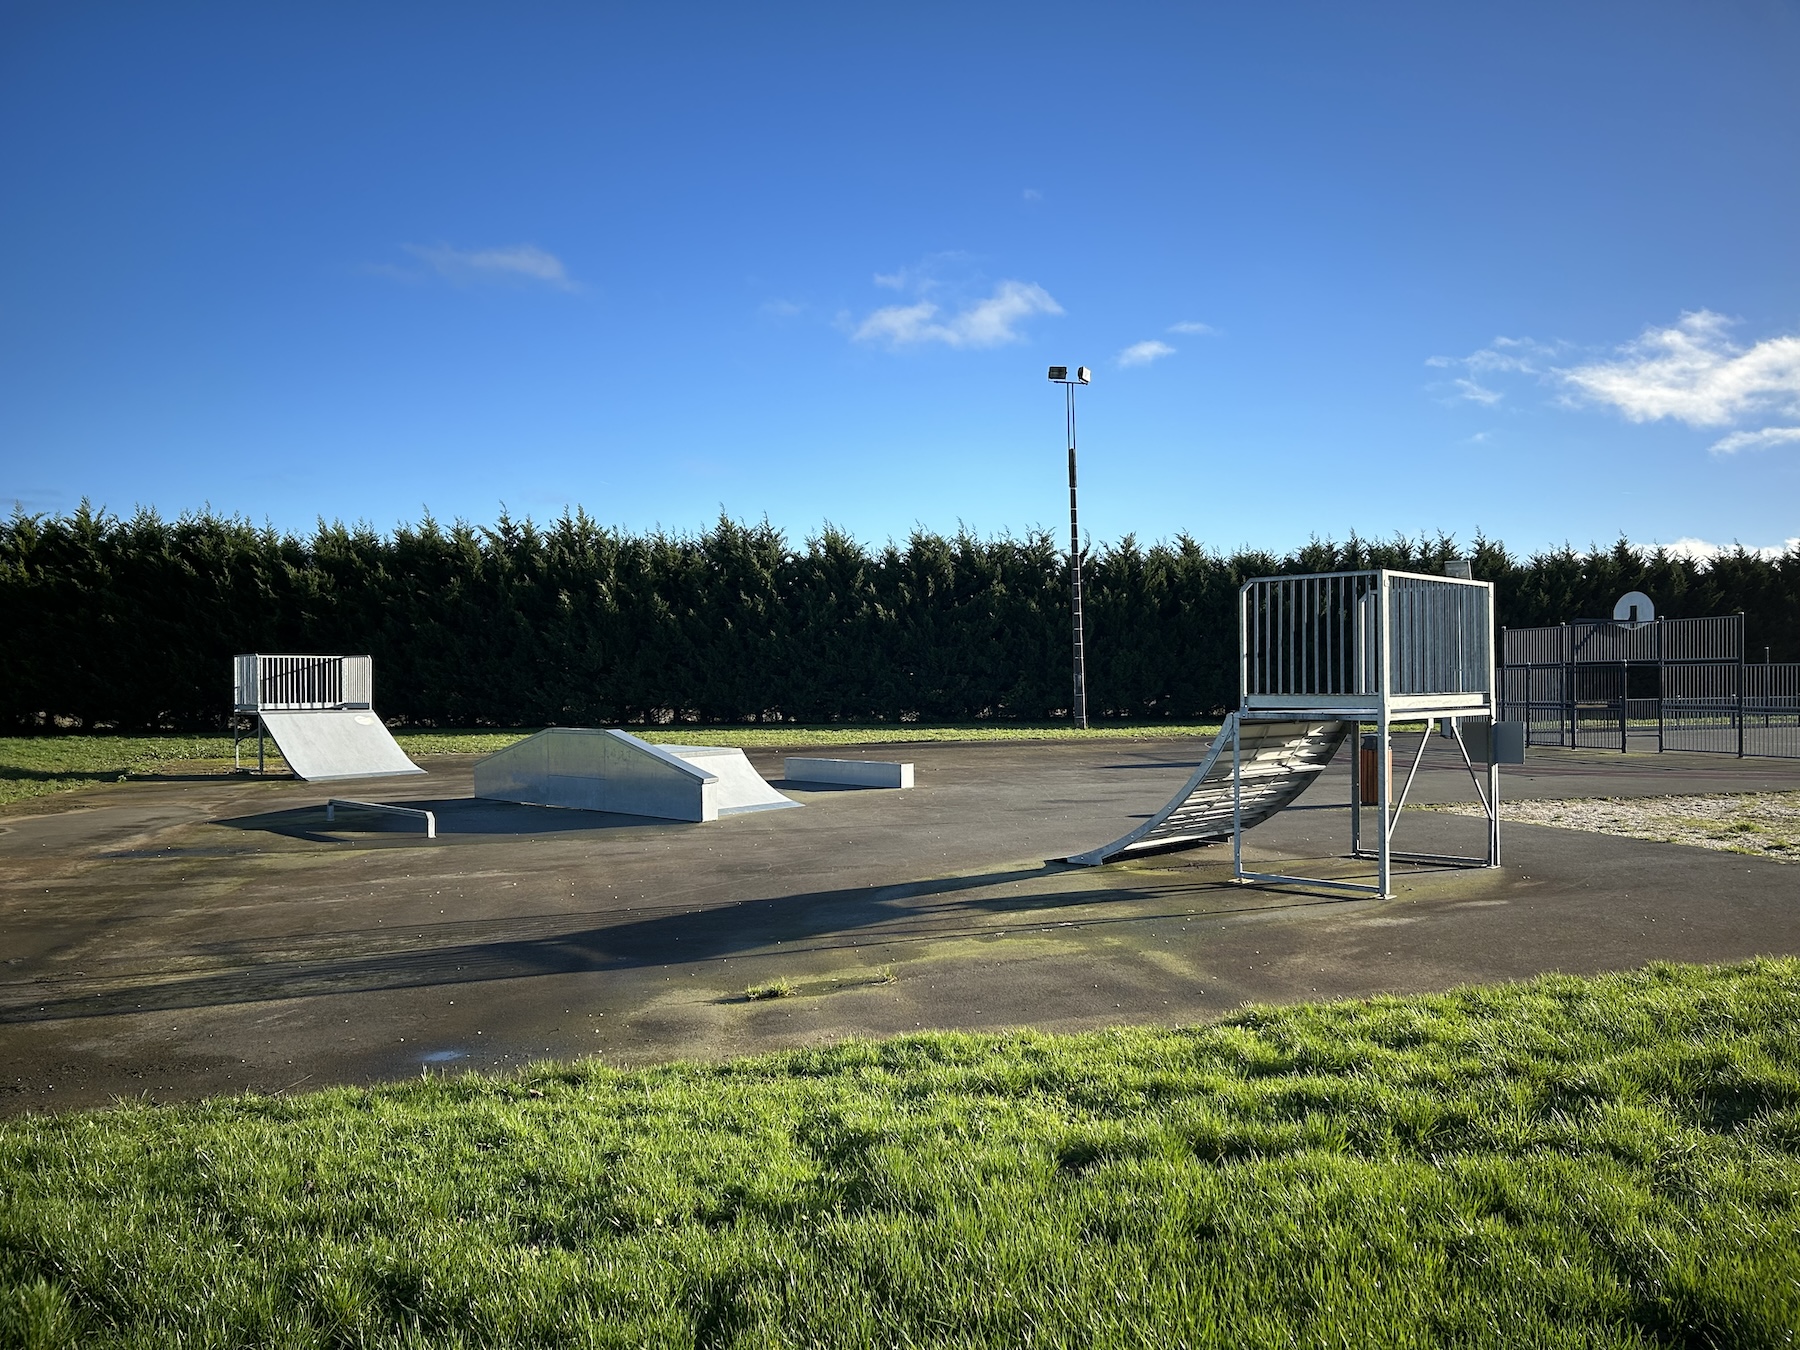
x=300, y=683
x=1357, y=639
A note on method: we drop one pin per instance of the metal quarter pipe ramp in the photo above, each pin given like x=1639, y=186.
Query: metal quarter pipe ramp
x=1276, y=761
x=325, y=745
x=317, y=709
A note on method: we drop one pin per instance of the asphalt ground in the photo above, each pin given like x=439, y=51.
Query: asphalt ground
x=171, y=940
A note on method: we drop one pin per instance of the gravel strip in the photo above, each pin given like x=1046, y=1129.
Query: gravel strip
x=1766, y=824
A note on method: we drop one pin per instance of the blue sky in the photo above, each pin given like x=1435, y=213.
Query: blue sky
x=1529, y=269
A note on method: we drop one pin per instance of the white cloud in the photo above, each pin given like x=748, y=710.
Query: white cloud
x=1702, y=550
x=1143, y=353
x=781, y=309
x=1755, y=440
x=1189, y=326
x=1690, y=372
x=1512, y=356
x=1693, y=373
x=989, y=322
x=928, y=274
x=511, y=262
x=1033, y=195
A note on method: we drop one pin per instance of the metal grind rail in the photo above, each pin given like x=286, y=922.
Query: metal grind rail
x=415, y=813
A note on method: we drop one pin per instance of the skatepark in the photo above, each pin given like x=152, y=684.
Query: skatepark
x=584, y=893
x=172, y=940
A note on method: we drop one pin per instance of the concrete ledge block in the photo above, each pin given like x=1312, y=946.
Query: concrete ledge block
x=874, y=773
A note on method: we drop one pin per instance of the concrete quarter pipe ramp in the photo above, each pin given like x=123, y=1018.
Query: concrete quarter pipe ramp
x=591, y=770
x=1278, y=761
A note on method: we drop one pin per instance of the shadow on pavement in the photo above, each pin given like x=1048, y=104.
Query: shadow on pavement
x=455, y=816
x=814, y=921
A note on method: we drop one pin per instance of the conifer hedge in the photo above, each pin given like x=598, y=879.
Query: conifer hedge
x=129, y=622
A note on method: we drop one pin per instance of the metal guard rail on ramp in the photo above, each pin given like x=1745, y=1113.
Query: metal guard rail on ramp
x=1276, y=762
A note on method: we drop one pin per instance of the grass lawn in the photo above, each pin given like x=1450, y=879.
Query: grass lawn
x=33, y=766
x=1608, y=1161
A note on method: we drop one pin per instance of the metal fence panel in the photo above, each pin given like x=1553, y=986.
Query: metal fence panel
x=1683, y=682
x=1772, y=709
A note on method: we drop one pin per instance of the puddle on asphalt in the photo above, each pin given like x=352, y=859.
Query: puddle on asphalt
x=442, y=1056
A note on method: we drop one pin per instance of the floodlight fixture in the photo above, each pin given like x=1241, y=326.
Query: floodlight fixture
x=1059, y=373
x=1083, y=374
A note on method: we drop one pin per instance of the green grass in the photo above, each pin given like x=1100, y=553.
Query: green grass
x=1570, y=1162
x=34, y=766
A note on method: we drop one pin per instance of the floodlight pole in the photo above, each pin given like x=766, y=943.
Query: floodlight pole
x=1059, y=375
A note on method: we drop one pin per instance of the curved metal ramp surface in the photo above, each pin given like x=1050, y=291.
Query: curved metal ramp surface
x=1278, y=760
x=323, y=745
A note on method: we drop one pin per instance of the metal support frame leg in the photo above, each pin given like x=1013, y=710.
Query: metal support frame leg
x=1624, y=707
x=1486, y=795
x=1493, y=777
x=1237, y=828
x=1237, y=800
x=1384, y=778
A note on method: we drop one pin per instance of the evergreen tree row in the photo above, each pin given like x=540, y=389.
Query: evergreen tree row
x=107, y=621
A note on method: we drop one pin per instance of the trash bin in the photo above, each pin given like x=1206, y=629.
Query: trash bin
x=1369, y=774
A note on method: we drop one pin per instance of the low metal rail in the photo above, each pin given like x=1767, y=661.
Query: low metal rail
x=384, y=808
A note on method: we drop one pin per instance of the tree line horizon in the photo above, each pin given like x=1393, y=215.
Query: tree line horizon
x=129, y=623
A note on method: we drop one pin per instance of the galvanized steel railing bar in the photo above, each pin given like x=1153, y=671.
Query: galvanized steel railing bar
x=1366, y=634
x=301, y=683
